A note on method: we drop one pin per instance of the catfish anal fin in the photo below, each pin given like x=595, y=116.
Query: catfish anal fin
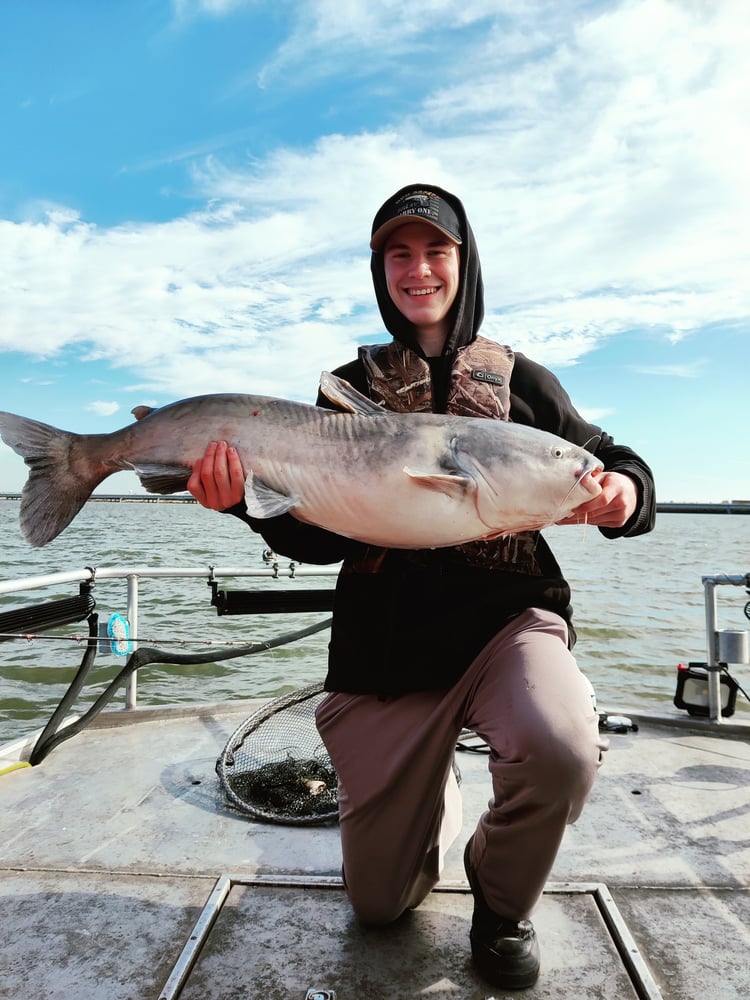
x=263, y=501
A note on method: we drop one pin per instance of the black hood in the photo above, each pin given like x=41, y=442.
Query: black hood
x=468, y=309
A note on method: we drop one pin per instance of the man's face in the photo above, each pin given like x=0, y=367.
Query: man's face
x=422, y=276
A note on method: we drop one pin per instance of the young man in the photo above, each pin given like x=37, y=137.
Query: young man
x=425, y=643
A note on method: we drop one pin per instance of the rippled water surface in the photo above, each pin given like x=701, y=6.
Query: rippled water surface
x=638, y=607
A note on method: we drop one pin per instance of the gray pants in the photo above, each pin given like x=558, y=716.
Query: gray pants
x=400, y=806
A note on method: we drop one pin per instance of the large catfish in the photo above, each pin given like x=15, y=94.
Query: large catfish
x=413, y=480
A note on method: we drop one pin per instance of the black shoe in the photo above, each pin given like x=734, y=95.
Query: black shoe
x=505, y=953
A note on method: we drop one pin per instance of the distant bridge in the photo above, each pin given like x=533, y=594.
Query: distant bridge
x=725, y=507
x=123, y=498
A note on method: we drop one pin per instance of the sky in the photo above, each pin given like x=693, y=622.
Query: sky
x=187, y=189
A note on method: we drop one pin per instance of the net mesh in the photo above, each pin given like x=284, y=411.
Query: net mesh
x=275, y=766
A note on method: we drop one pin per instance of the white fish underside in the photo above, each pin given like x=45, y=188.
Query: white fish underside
x=395, y=480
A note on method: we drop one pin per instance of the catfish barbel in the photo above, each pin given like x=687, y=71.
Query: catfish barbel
x=398, y=480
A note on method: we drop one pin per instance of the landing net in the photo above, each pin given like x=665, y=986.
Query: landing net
x=275, y=766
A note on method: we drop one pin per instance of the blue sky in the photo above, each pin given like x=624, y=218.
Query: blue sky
x=187, y=187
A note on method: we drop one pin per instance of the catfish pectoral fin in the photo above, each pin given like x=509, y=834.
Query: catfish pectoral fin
x=455, y=487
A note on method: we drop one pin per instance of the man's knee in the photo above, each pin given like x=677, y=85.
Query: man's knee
x=378, y=900
x=377, y=907
x=550, y=772
x=566, y=770
x=376, y=913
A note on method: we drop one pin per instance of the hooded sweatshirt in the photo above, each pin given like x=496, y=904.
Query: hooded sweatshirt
x=410, y=620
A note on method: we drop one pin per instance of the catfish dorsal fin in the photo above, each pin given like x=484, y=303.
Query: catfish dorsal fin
x=346, y=397
x=139, y=412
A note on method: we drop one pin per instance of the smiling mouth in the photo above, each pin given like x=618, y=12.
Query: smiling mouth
x=421, y=291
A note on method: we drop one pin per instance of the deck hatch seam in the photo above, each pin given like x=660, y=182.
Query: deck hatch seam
x=632, y=960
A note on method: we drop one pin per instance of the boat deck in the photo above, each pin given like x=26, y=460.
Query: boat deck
x=130, y=877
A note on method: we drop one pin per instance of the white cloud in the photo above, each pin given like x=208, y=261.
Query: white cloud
x=184, y=10
x=602, y=167
x=103, y=408
x=330, y=36
x=694, y=369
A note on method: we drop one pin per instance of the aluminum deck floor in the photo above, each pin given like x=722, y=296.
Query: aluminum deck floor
x=124, y=876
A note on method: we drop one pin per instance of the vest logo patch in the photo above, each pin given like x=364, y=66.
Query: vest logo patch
x=480, y=375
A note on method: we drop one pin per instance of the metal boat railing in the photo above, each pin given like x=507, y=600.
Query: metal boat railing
x=723, y=646
x=134, y=575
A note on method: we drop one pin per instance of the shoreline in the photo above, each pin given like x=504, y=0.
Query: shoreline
x=668, y=507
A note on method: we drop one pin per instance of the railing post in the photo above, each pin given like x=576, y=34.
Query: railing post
x=712, y=663
x=131, y=689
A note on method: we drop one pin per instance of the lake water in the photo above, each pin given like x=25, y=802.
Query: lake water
x=638, y=608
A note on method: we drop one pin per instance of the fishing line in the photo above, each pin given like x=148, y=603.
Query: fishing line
x=80, y=638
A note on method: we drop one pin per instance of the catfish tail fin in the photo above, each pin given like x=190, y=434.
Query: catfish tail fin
x=60, y=479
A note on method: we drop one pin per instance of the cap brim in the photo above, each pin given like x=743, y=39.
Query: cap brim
x=381, y=235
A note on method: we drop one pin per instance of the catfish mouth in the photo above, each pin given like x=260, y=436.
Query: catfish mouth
x=585, y=476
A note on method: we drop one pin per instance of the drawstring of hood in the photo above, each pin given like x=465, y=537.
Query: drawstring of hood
x=467, y=311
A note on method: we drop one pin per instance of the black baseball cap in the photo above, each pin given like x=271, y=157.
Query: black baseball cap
x=414, y=205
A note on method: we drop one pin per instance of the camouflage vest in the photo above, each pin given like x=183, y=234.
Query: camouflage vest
x=479, y=387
